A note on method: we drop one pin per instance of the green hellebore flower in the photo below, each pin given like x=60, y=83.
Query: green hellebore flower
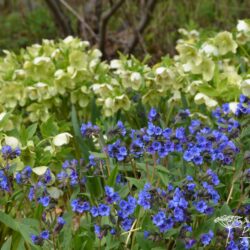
x=245, y=87
x=225, y=43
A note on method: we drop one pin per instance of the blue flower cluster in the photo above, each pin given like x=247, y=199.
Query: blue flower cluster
x=8, y=153
x=170, y=208
x=197, y=145
x=39, y=239
x=88, y=129
x=45, y=235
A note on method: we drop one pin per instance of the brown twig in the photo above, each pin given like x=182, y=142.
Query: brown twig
x=79, y=18
x=61, y=20
x=144, y=21
x=103, y=24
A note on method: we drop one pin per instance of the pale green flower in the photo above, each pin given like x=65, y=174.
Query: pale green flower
x=188, y=53
x=245, y=87
x=201, y=98
x=206, y=68
x=225, y=43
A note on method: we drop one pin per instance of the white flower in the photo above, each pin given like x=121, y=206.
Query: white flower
x=61, y=139
x=40, y=170
x=209, y=49
x=2, y=115
x=243, y=26
x=233, y=106
x=135, y=77
x=187, y=67
x=245, y=87
x=12, y=141
x=41, y=59
x=200, y=98
x=68, y=39
x=162, y=71
x=115, y=64
x=40, y=85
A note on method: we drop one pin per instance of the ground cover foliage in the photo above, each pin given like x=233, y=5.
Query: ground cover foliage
x=123, y=154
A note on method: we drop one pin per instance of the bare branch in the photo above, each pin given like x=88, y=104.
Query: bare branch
x=103, y=24
x=79, y=18
x=145, y=19
x=61, y=20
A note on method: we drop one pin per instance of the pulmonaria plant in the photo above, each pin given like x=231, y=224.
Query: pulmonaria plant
x=196, y=143
x=154, y=186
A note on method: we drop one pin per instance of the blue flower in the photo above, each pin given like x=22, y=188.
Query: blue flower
x=80, y=206
x=232, y=246
x=44, y=235
x=206, y=238
x=88, y=129
x=103, y=210
x=244, y=243
x=180, y=133
x=94, y=211
x=126, y=224
x=44, y=200
x=191, y=186
x=144, y=198
x=62, y=176
x=146, y=234
x=201, y=206
x=9, y=153
x=31, y=194
x=189, y=243
x=166, y=225
x=167, y=132
x=4, y=181
x=214, y=178
x=179, y=214
x=39, y=239
x=36, y=240
x=60, y=221
x=92, y=160
x=152, y=115
x=98, y=231
x=178, y=200
x=121, y=128
x=188, y=155
x=159, y=218
x=111, y=196
x=112, y=231
x=198, y=160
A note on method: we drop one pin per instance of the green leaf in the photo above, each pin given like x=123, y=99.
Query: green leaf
x=66, y=232
x=7, y=244
x=32, y=130
x=112, y=177
x=138, y=183
x=81, y=146
x=94, y=187
x=98, y=155
x=49, y=128
x=225, y=210
x=23, y=229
